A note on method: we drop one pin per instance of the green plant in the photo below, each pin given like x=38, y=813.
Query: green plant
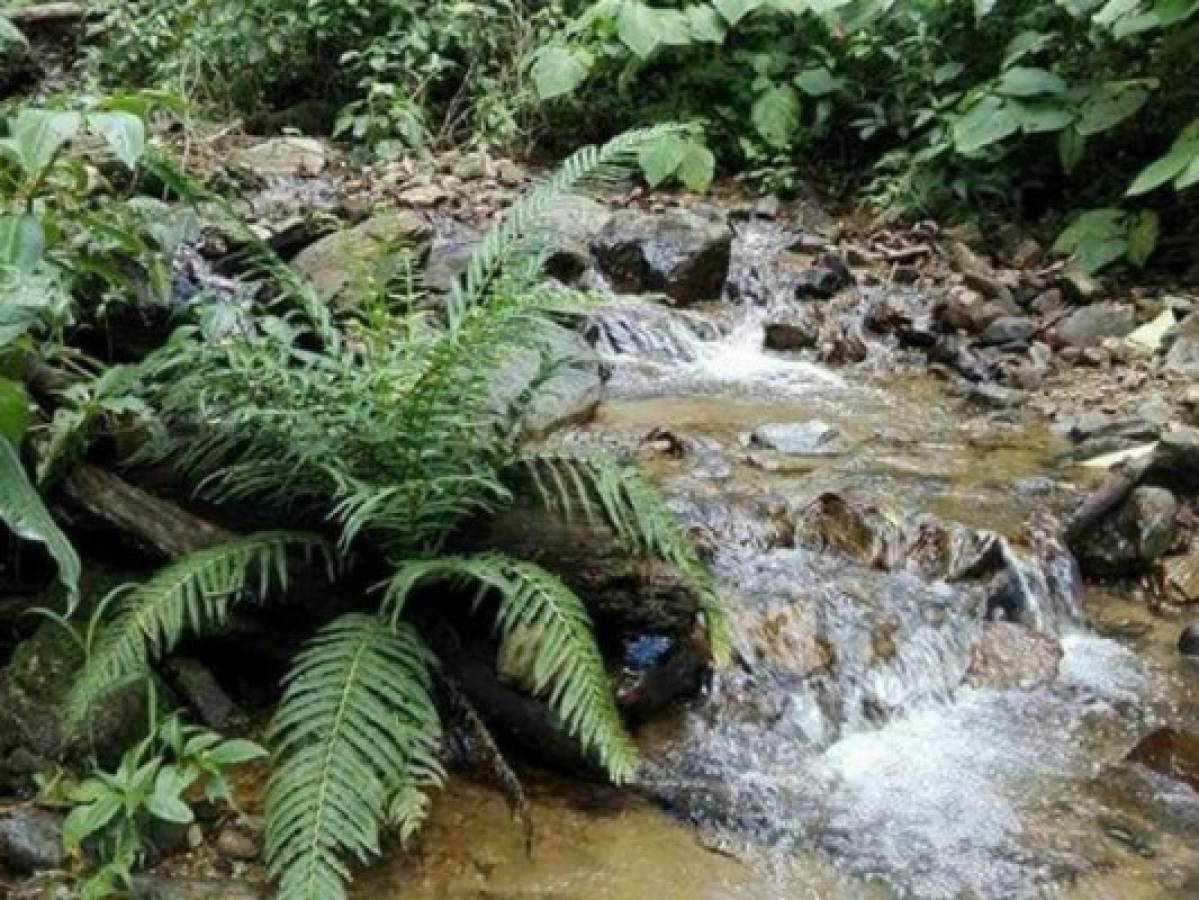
x=383, y=424
x=112, y=811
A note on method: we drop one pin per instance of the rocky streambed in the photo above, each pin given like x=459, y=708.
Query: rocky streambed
x=959, y=636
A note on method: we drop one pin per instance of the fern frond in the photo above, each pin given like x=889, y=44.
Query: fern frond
x=191, y=595
x=639, y=516
x=568, y=670
x=592, y=165
x=355, y=740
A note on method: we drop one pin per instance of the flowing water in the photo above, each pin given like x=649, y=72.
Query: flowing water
x=842, y=756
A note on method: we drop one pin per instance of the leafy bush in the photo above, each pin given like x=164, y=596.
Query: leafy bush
x=383, y=425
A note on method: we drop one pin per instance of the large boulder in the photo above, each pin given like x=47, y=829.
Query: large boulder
x=569, y=226
x=1090, y=326
x=678, y=253
x=1132, y=539
x=336, y=262
x=1013, y=656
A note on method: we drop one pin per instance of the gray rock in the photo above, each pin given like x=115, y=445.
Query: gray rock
x=1013, y=656
x=282, y=157
x=31, y=841
x=335, y=262
x=800, y=334
x=570, y=225
x=996, y=395
x=233, y=843
x=678, y=253
x=1131, y=540
x=1176, y=461
x=1183, y=356
x=813, y=438
x=1091, y=325
x=569, y=395
x=1008, y=330
x=449, y=256
x=823, y=280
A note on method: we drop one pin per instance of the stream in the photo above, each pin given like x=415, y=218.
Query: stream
x=848, y=752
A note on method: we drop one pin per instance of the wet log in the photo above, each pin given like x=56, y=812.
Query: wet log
x=157, y=526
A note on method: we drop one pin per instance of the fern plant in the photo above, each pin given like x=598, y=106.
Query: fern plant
x=387, y=428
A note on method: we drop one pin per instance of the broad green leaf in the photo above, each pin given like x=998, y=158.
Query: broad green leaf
x=1113, y=10
x=1042, y=115
x=14, y=411
x=236, y=752
x=11, y=34
x=22, y=241
x=1070, y=147
x=736, y=10
x=124, y=132
x=661, y=158
x=23, y=511
x=1165, y=169
x=1109, y=105
x=85, y=821
x=948, y=72
x=1022, y=81
x=817, y=82
x=1142, y=238
x=643, y=28
x=1189, y=177
x=560, y=70
x=775, y=115
x=988, y=121
x=1095, y=239
x=1021, y=45
x=38, y=134
x=698, y=167
x=706, y=24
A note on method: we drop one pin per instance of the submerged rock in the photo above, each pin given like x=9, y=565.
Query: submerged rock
x=678, y=253
x=1170, y=752
x=1012, y=656
x=1131, y=540
x=813, y=438
x=336, y=262
x=31, y=841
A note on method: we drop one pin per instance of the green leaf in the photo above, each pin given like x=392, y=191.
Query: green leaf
x=560, y=70
x=643, y=28
x=1189, y=177
x=1113, y=10
x=84, y=821
x=988, y=121
x=23, y=512
x=947, y=72
x=697, y=168
x=1022, y=81
x=236, y=752
x=1109, y=105
x=1095, y=239
x=1183, y=154
x=124, y=132
x=817, y=82
x=14, y=411
x=38, y=134
x=169, y=809
x=1070, y=147
x=1022, y=45
x=661, y=158
x=1142, y=238
x=706, y=24
x=1039, y=116
x=775, y=115
x=11, y=34
x=736, y=10
x=22, y=241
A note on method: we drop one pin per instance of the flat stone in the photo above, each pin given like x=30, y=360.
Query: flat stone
x=1008, y=330
x=282, y=157
x=1091, y=325
x=813, y=438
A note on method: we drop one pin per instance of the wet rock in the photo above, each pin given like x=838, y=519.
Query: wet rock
x=1170, y=752
x=233, y=843
x=1091, y=325
x=282, y=157
x=1008, y=330
x=798, y=332
x=677, y=253
x=813, y=438
x=1133, y=538
x=658, y=671
x=570, y=225
x=566, y=379
x=823, y=280
x=1188, y=641
x=1181, y=577
x=31, y=841
x=1176, y=461
x=785, y=639
x=1012, y=656
x=336, y=262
